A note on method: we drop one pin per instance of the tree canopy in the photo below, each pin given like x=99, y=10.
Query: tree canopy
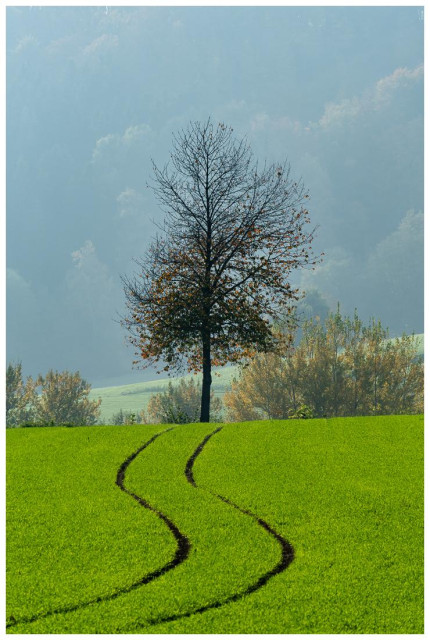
x=64, y=399
x=213, y=281
x=20, y=396
x=55, y=399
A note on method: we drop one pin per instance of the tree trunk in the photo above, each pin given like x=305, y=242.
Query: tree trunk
x=207, y=378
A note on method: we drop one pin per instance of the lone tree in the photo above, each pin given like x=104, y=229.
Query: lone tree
x=213, y=282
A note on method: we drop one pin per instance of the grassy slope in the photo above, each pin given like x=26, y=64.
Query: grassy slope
x=347, y=493
x=64, y=511
x=134, y=397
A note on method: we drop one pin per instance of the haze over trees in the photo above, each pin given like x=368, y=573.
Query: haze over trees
x=180, y=403
x=58, y=398
x=64, y=399
x=20, y=396
x=212, y=284
x=339, y=89
x=340, y=367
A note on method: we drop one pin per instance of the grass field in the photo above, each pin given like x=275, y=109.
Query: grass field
x=135, y=397
x=312, y=526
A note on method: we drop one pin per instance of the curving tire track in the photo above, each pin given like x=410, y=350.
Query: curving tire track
x=287, y=551
x=181, y=554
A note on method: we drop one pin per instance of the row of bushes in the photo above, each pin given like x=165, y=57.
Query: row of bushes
x=340, y=367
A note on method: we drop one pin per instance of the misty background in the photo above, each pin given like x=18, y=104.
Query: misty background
x=94, y=93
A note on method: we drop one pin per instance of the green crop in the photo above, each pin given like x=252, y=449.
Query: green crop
x=346, y=495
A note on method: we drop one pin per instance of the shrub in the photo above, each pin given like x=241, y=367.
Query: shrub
x=303, y=412
x=264, y=390
x=62, y=400
x=125, y=417
x=179, y=404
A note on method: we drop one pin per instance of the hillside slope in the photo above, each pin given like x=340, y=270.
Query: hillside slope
x=134, y=397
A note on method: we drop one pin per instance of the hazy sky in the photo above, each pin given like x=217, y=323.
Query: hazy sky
x=94, y=93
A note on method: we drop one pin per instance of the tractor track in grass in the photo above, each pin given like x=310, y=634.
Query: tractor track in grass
x=287, y=551
x=181, y=554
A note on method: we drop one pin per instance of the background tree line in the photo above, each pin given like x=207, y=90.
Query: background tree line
x=338, y=368
x=335, y=367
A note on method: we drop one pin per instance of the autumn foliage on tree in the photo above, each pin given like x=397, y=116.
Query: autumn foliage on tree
x=210, y=286
x=59, y=398
x=265, y=388
x=63, y=399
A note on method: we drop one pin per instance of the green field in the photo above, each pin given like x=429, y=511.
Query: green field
x=135, y=397
x=311, y=526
